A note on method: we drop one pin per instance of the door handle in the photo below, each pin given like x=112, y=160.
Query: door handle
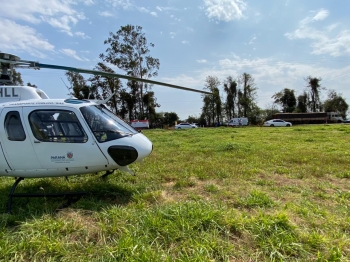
x=36, y=141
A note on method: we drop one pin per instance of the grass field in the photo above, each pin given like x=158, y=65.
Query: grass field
x=206, y=194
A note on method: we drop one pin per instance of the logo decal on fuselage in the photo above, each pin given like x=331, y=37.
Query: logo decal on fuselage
x=61, y=159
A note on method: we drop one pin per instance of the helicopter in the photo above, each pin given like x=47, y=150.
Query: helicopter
x=43, y=137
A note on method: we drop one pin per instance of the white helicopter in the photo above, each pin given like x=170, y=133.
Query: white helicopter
x=44, y=137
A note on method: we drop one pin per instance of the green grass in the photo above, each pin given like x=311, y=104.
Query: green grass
x=206, y=194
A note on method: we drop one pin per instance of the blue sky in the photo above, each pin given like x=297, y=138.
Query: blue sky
x=278, y=42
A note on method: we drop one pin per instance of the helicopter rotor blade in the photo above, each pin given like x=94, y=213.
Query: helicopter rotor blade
x=95, y=72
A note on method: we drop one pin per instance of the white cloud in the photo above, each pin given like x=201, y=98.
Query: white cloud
x=159, y=8
x=185, y=42
x=143, y=10
x=58, y=13
x=125, y=4
x=172, y=34
x=89, y=2
x=225, y=10
x=82, y=35
x=153, y=13
x=72, y=53
x=252, y=39
x=322, y=40
x=105, y=14
x=337, y=46
x=201, y=61
x=322, y=14
x=18, y=38
x=62, y=22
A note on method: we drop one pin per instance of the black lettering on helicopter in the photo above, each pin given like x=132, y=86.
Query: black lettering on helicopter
x=57, y=157
x=5, y=92
x=62, y=159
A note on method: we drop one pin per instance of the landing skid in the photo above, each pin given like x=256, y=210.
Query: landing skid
x=71, y=197
x=105, y=175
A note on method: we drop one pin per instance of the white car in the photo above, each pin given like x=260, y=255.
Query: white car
x=277, y=122
x=185, y=125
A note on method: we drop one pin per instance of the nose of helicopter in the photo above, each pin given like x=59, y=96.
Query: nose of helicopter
x=143, y=146
x=136, y=149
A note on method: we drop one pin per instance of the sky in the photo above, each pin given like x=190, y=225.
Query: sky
x=278, y=42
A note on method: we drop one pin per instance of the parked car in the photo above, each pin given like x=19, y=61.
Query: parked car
x=185, y=125
x=277, y=122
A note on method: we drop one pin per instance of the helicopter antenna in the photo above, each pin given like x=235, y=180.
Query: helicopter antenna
x=65, y=84
x=105, y=100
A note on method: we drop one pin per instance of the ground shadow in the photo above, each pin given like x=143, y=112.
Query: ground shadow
x=99, y=194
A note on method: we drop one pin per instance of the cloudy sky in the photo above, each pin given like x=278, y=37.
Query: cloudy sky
x=278, y=42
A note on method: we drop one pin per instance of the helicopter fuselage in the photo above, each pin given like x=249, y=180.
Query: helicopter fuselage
x=42, y=137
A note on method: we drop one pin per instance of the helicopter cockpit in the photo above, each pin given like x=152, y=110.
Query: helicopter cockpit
x=104, y=124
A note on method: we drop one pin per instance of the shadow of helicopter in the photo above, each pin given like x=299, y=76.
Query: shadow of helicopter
x=98, y=196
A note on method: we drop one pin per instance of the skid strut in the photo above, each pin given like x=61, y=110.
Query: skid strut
x=71, y=197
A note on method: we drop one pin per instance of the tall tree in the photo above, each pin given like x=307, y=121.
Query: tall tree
x=150, y=103
x=129, y=50
x=247, y=98
x=302, y=103
x=336, y=103
x=102, y=87
x=78, y=85
x=286, y=99
x=314, y=88
x=230, y=88
x=212, y=103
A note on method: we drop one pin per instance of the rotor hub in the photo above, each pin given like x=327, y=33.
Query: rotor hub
x=7, y=63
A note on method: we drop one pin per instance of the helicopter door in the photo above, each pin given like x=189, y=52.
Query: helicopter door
x=60, y=140
x=17, y=147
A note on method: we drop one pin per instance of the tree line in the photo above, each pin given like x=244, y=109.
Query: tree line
x=310, y=99
x=129, y=50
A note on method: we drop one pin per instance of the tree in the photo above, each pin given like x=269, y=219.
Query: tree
x=79, y=88
x=170, y=118
x=103, y=87
x=314, y=86
x=286, y=98
x=302, y=103
x=336, y=103
x=230, y=87
x=150, y=104
x=247, y=94
x=193, y=119
x=17, y=78
x=212, y=107
x=267, y=114
x=128, y=50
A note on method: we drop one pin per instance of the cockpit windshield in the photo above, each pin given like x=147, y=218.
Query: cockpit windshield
x=105, y=125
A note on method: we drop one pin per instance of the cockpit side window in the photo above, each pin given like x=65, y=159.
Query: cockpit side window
x=13, y=126
x=57, y=126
